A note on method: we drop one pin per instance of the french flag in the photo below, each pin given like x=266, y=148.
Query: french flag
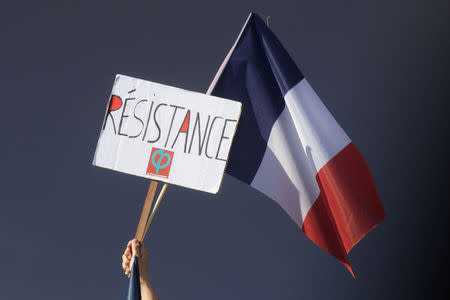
x=289, y=146
x=134, y=285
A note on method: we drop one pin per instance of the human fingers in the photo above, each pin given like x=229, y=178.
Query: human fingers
x=136, y=248
x=128, y=252
x=126, y=259
x=126, y=267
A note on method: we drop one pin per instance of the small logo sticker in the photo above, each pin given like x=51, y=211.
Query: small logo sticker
x=159, y=162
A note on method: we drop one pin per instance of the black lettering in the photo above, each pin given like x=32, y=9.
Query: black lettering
x=124, y=115
x=148, y=120
x=200, y=142
x=139, y=119
x=156, y=122
x=108, y=114
x=209, y=135
x=171, y=122
x=187, y=119
x=223, y=137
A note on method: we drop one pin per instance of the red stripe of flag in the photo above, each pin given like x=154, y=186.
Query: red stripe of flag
x=348, y=206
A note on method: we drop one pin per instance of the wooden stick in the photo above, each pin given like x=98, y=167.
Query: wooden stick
x=158, y=201
x=140, y=232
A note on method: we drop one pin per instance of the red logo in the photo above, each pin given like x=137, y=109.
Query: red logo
x=159, y=162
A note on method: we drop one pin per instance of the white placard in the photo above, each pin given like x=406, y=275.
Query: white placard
x=167, y=134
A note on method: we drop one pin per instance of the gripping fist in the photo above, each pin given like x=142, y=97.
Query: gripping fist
x=135, y=249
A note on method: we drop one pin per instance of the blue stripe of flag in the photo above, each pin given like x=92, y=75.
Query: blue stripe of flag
x=134, y=286
x=259, y=73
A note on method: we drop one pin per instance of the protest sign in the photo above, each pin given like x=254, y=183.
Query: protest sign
x=167, y=134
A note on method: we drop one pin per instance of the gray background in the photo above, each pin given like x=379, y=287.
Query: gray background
x=381, y=67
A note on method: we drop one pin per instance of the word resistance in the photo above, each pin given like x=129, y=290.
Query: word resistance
x=172, y=125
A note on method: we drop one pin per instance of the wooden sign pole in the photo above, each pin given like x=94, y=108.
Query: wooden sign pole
x=158, y=201
x=145, y=220
x=147, y=213
x=140, y=232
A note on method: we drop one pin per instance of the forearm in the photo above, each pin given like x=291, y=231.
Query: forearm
x=147, y=292
x=137, y=250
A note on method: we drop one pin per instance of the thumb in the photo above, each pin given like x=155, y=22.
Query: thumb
x=136, y=248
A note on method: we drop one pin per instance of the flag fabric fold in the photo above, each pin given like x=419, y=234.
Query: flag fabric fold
x=290, y=147
x=134, y=286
